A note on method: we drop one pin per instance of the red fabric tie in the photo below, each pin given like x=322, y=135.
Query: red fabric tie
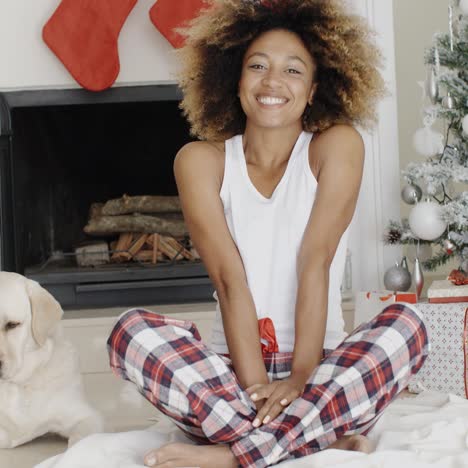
x=266, y=329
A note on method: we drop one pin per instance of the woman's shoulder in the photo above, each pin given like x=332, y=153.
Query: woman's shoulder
x=204, y=157
x=208, y=149
x=334, y=144
x=337, y=135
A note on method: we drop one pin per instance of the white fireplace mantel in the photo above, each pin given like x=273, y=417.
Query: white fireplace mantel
x=147, y=58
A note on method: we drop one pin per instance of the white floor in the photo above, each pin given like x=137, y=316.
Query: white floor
x=122, y=408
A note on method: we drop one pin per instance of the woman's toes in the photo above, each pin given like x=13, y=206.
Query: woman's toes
x=355, y=443
x=360, y=443
x=150, y=459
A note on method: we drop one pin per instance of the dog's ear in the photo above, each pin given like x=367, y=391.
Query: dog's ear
x=45, y=310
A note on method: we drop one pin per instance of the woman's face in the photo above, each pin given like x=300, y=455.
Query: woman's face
x=277, y=80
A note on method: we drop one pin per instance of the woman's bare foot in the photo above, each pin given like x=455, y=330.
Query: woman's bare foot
x=185, y=455
x=355, y=443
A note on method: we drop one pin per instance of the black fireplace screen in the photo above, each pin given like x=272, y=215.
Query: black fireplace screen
x=63, y=150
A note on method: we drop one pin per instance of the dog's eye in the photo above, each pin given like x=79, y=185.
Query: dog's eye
x=11, y=325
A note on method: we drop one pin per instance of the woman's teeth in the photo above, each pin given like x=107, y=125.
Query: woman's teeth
x=271, y=101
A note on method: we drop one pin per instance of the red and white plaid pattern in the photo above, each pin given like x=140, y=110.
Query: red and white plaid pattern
x=199, y=390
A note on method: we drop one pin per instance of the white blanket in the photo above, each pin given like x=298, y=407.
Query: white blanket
x=429, y=430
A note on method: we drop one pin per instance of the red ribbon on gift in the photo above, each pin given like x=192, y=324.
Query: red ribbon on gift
x=458, y=278
x=267, y=333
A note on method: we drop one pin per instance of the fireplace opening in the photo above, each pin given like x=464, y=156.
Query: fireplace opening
x=66, y=156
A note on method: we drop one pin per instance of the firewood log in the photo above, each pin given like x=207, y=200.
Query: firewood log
x=168, y=250
x=93, y=254
x=124, y=242
x=95, y=210
x=179, y=248
x=137, y=244
x=170, y=247
x=147, y=256
x=168, y=224
x=141, y=204
x=155, y=238
x=196, y=255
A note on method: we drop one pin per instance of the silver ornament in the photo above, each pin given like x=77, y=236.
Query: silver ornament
x=449, y=246
x=411, y=194
x=404, y=263
x=432, y=86
x=397, y=278
x=449, y=102
x=418, y=278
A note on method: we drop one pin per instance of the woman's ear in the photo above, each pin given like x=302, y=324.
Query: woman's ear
x=312, y=93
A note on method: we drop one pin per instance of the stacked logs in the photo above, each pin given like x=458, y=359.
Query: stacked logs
x=149, y=248
x=145, y=214
x=149, y=229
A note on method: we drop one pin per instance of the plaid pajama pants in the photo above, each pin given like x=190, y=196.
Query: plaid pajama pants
x=199, y=391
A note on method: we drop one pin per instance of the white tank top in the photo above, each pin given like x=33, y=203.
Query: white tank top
x=268, y=233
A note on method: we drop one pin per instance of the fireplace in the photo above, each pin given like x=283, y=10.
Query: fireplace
x=61, y=151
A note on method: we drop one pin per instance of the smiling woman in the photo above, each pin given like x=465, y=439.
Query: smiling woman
x=346, y=58
x=276, y=88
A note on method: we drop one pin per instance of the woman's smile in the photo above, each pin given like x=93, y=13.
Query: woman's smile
x=272, y=101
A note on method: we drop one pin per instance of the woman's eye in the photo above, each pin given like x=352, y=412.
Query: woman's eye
x=293, y=70
x=257, y=66
x=12, y=325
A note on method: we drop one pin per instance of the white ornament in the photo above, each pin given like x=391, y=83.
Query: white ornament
x=463, y=5
x=465, y=123
x=428, y=142
x=426, y=221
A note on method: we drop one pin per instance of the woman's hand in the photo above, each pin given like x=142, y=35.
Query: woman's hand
x=272, y=398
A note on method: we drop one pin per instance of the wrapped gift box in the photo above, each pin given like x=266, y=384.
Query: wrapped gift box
x=445, y=291
x=445, y=369
x=370, y=303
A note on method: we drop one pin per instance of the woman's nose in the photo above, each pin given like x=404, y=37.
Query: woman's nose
x=271, y=79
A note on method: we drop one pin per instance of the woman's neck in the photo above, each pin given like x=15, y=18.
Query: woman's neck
x=267, y=147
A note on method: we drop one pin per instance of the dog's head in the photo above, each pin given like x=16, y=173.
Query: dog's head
x=28, y=316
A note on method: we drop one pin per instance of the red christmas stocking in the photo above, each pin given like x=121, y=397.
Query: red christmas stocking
x=167, y=15
x=83, y=34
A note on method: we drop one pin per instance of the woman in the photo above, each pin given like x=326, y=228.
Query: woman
x=274, y=89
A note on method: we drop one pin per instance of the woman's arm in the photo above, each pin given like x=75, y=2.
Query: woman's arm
x=339, y=153
x=198, y=169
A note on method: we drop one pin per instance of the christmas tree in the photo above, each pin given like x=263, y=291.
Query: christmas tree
x=436, y=186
